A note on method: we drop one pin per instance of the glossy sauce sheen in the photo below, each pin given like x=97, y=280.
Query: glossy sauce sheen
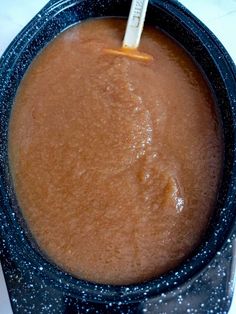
x=116, y=162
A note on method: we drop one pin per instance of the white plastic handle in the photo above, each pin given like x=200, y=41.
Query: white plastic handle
x=135, y=23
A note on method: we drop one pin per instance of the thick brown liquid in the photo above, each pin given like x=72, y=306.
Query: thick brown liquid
x=115, y=162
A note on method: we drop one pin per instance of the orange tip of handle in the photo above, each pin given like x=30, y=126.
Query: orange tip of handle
x=130, y=53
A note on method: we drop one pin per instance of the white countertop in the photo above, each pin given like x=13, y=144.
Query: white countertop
x=218, y=15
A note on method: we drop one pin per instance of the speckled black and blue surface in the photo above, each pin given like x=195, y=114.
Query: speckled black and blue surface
x=204, y=283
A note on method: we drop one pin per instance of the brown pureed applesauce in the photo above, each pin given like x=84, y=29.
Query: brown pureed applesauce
x=115, y=162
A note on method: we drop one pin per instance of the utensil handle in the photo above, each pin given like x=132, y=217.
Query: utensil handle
x=135, y=23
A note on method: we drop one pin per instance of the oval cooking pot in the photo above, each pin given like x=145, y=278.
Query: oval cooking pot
x=218, y=69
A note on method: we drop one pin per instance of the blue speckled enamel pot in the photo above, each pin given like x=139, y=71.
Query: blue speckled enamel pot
x=203, y=282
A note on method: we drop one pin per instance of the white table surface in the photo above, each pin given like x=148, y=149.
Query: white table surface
x=218, y=15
